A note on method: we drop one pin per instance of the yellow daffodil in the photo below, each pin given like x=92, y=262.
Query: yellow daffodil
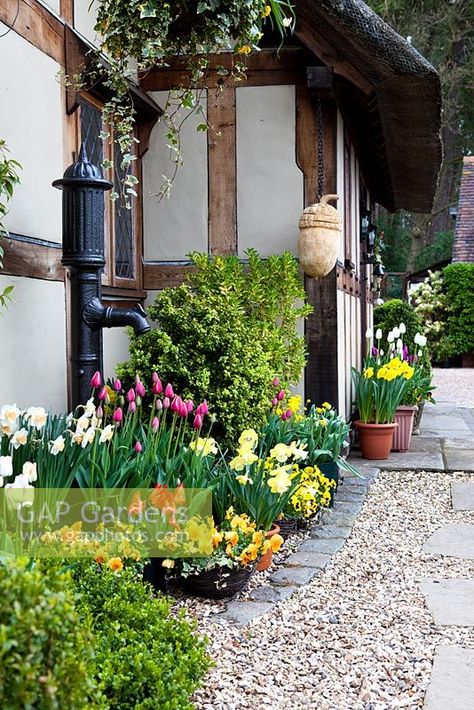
x=168, y=564
x=204, y=446
x=243, y=479
x=280, y=452
x=368, y=373
x=248, y=436
x=326, y=406
x=294, y=403
x=280, y=481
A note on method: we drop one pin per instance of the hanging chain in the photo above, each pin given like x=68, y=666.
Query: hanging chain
x=320, y=136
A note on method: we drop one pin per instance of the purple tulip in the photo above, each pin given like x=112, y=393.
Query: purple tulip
x=374, y=351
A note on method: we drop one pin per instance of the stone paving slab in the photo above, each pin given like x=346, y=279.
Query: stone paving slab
x=272, y=593
x=451, y=601
x=409, y=461
x=294, y=576
x=242, y=613
x=464, y=442
x=325, y=546
x=462, y=495
x=459, y=459
x=445, y=422
x=453, y=540
x=330, y=531
x=307, y=558
x=452, y=680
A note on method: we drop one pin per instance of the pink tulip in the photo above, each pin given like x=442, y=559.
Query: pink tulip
x=274, y=402
x=276, y=382
x=166, y=403
x=197, y=423
x=117, y=385
x=289, y=413
x=155, y=424
x=154, y=377
x=203, y=409
x=281, y=395
x=189, y=405
x=138, y=447
x=183, y=410
x=96, y=380
x=131, y=395
x=157, y=387
x=140, y=389
x=159, y=405
x=99, y=412
x=117, y=415
x=132, y=407
x=169, y=392
x=102, y=395
x=175, y=404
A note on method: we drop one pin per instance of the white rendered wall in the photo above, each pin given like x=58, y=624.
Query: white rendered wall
x=31, y=124
x=269, y=183
x=116, y=348
x=52, y=4
x=33, y=344
x=173, y=227
x=85, y=18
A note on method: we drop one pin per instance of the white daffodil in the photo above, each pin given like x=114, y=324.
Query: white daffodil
x=10, y=413
x=378, y=334
x=19, y=438
x=57, y=446
x=6, y=466
x=298, y=451
x=106, y=434
x=89, y=409
x=286, y=22
x=77, y=437
x=82, y=424
x=88, y=437
x=29, y=472
x=37, y=417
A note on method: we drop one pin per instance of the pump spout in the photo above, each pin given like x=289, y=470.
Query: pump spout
x=97, y=316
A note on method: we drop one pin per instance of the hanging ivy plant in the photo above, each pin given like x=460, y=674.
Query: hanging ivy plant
x=141, y=34
x=8, y=179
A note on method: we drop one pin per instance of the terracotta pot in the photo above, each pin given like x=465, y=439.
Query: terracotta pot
x=266, y=560
x=404, y=417
x=375, y=439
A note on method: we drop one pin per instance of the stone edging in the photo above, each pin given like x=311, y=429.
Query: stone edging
x=313, y=555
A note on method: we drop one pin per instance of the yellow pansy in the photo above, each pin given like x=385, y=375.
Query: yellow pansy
x=245, y=49
x=267, y=11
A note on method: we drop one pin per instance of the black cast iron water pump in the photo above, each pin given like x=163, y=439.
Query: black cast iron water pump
x=83, y=188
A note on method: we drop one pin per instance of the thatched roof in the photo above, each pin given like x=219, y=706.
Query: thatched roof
x=389, y=93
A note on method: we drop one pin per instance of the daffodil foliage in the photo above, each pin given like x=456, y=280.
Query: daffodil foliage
x=153, y=33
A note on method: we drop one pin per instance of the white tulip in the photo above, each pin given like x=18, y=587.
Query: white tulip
x=396, y=332
x=378, y=334
x=417, y=338
x=6, y=466
x=368, y=333
x=422, y=341
x=381, y=352
x=20, y=481
x=402, y=328
x=390, y=337
x=420, y=353
x=29, y=472
x=400, y=344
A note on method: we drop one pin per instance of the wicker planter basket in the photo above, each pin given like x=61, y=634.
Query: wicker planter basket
x=287, y=526
x=217, y=583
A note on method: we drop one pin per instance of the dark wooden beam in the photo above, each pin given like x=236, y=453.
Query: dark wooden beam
x=321, y=375
x=35, y=24
x=159, y=275
x=222, y=171
x=32, y=258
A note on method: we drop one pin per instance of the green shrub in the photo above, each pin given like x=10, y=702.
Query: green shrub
x=225, y=335
x=46, y=656
x=459, y=289
x=147, y=658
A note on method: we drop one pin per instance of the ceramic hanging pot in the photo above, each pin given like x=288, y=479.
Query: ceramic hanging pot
x=319, y=237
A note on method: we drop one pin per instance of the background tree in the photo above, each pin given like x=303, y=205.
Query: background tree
x=443, y=31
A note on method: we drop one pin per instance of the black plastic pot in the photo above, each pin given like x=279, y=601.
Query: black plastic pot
x=330, y=469
x=155, y=574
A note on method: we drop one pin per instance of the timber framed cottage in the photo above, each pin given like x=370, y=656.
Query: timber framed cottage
x=347, y=106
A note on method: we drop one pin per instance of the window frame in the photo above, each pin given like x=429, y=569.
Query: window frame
x=110, y=280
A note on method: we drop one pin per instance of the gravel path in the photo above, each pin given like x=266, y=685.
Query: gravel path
x=359, y=637
x=454, y=385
